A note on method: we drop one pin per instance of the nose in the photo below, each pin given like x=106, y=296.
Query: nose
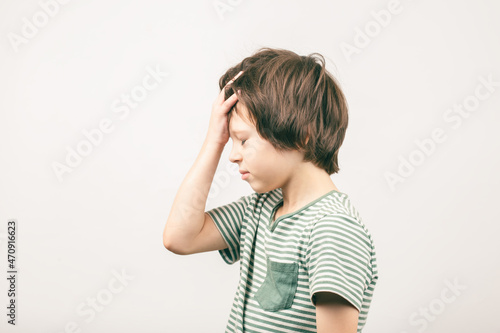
x=234, y=155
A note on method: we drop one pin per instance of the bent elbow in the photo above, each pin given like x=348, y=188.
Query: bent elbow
x=174, y=249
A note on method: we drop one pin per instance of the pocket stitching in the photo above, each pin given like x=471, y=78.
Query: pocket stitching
x=286, y=301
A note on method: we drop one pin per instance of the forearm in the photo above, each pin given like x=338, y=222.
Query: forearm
x=187, y=213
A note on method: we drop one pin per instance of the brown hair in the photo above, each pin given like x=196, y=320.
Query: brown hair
x=290, y=98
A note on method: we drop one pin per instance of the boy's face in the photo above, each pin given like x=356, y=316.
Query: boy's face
x=268, y=168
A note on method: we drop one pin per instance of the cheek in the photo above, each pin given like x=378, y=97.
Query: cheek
x=252, y=152
x=259, y=153
x=262, y=156
x=265, y=160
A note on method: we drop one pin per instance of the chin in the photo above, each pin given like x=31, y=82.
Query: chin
x=264, y=188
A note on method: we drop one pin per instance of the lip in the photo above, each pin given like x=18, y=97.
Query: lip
x=243, y=172
x=245, y=175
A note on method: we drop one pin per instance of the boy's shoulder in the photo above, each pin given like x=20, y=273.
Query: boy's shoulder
x=340, y=204
x=341, y=214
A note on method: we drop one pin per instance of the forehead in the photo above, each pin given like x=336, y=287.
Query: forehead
x=239, y=122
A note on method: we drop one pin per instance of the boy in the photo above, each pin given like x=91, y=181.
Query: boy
x=307, y=262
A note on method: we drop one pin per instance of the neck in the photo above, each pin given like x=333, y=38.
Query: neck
x=306, y=184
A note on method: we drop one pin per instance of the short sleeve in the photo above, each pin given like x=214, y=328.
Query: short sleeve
x=229, y=220
x=338, y=258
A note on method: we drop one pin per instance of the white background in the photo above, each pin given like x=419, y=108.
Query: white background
x=437, y=226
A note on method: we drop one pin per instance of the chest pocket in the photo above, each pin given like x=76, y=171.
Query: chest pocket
x=279, y=287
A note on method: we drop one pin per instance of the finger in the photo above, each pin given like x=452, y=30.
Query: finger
x=231, y=100
x=222, y=93
x=234, y=78
x=228, y=103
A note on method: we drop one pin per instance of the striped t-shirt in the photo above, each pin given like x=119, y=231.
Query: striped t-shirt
x=324, y=246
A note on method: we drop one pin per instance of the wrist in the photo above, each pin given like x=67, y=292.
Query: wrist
x=209, y=142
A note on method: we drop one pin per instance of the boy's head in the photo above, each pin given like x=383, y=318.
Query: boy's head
x=292, y=102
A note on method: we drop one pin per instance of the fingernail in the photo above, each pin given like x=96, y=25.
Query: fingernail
x=237, y=75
